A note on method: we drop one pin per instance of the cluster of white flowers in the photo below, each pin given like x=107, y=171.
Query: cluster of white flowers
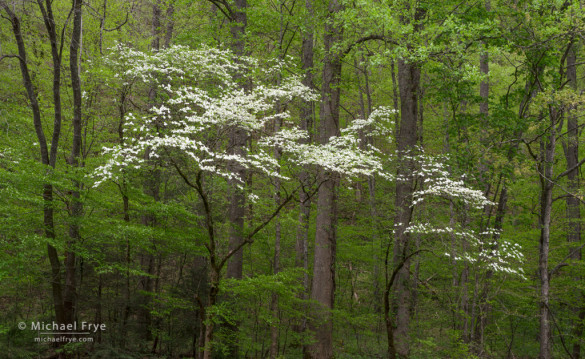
x=438, y=182
x=375, y=124
x=483, y=251
x=9, y=155
x=344, y=154
x=501, y=256
x=446, y=187
x=207, y=93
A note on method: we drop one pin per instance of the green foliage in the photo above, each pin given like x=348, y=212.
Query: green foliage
x=144, y=270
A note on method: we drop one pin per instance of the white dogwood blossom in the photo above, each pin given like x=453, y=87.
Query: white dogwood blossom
x=482, y=249
x=203, y=95
x=438, y=182
x=344, y=154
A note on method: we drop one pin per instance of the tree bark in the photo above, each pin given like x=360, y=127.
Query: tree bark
x=573, y=206
x=274, y=328
x=546, y=172
x=238, y=139
x=47, y=157
x=406, y=140
x=306, y=114
x=237, y=144
x=323, y=288
x=545, y=168
x=69, y=298
x=50, y=25
x=409, y=81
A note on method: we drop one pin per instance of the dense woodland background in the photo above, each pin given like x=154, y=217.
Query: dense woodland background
x=447, y=225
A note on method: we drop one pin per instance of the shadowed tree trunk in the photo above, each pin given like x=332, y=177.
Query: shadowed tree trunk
x=274, y=328
x=323, y=288
x=46, y=157
x=237, y=144
x=75, y=160
x=406, y=140
x=151, y=187
x=475, y=333
x=306, y=115
x=409, y=80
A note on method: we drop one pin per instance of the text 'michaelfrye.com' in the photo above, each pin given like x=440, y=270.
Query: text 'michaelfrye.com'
x=60, y=332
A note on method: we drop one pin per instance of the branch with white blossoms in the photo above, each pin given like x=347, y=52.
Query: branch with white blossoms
x=342, y=154
x=438, y=183
x=203, y=101
x=483, y=250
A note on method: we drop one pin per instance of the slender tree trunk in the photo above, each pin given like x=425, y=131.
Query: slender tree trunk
x=389, y=327
x=306, y=114
x=211, y=301
x=156, y=26
x=547, y=148
x=170, y=19
x=151, y=187
x=366, y=110
x=56, y=56
x=123, y=187
x=48, y=190
x=323, y=288
x=75, y=160
x=274, y=303
x=48, y=157
x=475, y=334
x=274, y=328
x=573, y=206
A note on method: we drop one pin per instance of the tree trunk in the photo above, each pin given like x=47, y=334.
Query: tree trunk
x=389, y=326
x=237, y=143
x=75, y=160
x=323, y=288
x=277, y=237
x=212, y=299
x=406, y=140
x=408, y=82
x=573, y=209
x=306, y=114
x=47, y=158
x=170, y=19
x=547, y=147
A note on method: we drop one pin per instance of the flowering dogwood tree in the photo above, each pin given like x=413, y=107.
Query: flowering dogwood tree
x=483, y=248
x=203, y=96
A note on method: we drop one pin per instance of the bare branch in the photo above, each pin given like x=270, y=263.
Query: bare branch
x=10, y=56
x=367, y=38
x=570, y=169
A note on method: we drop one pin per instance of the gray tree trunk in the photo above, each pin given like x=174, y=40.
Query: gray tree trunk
x=546, y=170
